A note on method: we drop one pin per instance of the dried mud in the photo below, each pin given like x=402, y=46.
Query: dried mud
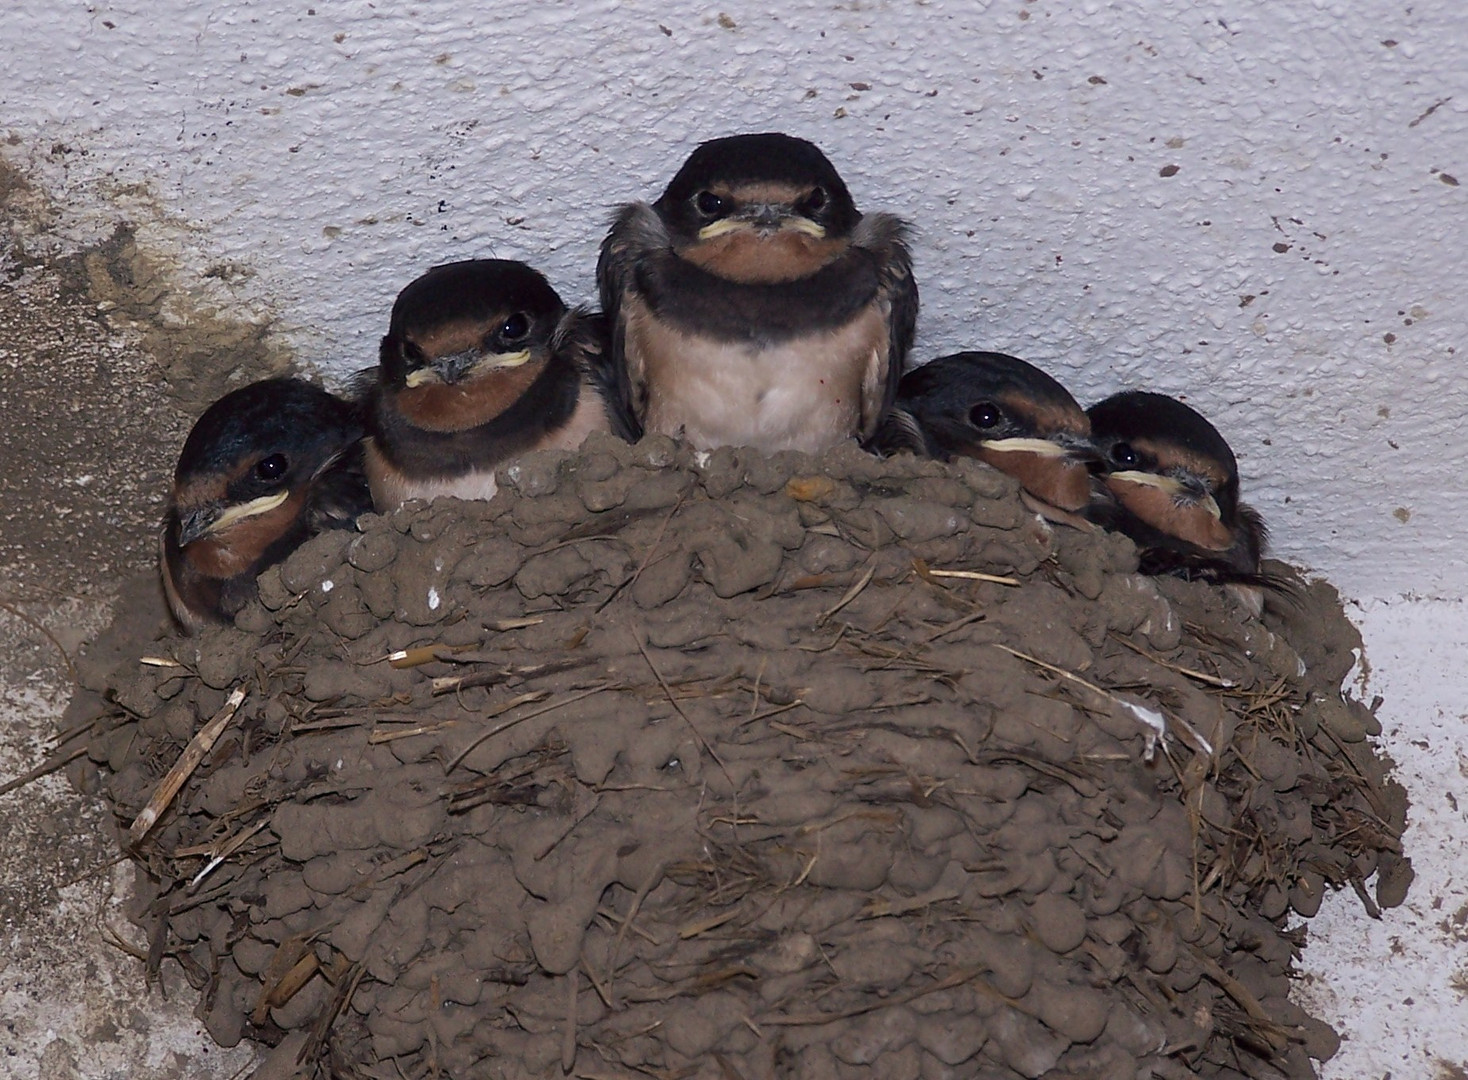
x=709, y=766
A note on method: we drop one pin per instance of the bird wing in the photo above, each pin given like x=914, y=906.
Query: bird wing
x=338, y=492
x=1198, y=566
x=636, y=234
x=585, y=336
x=885, y=237
x=1160, y=554
x=361, y=384
x=899, y=430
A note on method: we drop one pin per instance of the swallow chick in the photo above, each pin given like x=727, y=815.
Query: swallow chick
x=265, y=468
x=482, y=362
x=753, y=305
x=1173, y=487
x=1003, y=411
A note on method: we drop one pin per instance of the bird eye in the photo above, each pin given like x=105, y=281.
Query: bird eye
x=709, y=204
x=272, y=467
x=1123, y=455
x=985, y=415
x=515, y=327
x=816, y=200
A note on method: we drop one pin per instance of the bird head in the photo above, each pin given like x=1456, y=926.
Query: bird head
x=243, y=473
x=1007, y=413
x=758, y=208
x=466, y=339
x=1167, y=465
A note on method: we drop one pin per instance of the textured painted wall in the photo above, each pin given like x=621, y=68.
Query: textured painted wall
x=1253, y=205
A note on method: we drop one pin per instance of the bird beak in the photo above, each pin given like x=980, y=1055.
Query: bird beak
x=723, y=227
x=453, y=367
x=1180, y=491
x=1040, y=447
x=767, y=218
x=202, y=521
x=1079, y=449
x=1048, y=469
x=197, y=523
x=764, y=218
x=496, y=361
x=456, y=367
x=805, y=225
x=1074, y=448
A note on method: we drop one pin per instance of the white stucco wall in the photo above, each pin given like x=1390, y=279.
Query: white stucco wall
x=317, y=158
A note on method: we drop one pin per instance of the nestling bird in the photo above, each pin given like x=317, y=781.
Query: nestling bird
x=753, y=305
x=1174, y=489
x=265, y=468
x=482, y=362
x=1003, y=411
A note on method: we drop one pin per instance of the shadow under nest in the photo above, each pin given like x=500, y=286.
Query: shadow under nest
x=664, y=764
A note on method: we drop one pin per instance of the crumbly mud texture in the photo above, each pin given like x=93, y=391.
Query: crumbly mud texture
x=684, y=765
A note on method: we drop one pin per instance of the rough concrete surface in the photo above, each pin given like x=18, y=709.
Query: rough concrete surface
x=87, y=430
x=1405, y=977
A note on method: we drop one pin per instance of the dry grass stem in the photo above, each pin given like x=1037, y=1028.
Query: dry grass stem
x=975, y=575
x=568, y=700
x=50, y=765
x=672, y=700
x=850, y=595
x=202, y=742
x=1201, y=676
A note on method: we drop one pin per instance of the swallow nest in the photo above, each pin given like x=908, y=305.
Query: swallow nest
x=665, y=764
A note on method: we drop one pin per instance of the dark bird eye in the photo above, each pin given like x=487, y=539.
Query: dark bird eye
x=1123, y=455
x=709, y=204
x=272, y=467
x=515, y=327
x=985, y=415
x=816, y=200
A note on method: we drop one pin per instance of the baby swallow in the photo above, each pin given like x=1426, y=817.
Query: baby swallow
x=265, y=468
x=1173, y=487
x=754, y=305
x=482, y=362
x=1002, y=411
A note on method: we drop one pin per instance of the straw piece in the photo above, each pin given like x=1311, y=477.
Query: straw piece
x=202, y=742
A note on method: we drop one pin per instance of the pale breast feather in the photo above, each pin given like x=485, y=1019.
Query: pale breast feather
x=805, y=393
x=391, y=487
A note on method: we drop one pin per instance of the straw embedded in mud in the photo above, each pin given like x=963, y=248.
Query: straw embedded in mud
x=754, y=766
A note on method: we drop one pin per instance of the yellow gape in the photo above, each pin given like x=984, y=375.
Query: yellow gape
x=1042, y=447
x=1171, y=487
x=264, y=504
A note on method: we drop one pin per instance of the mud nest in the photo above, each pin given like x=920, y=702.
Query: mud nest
x=676, y=765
